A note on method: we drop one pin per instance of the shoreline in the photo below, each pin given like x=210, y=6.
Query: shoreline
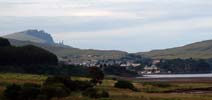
x=176, y=78
x=192, y=79
x=209, y=75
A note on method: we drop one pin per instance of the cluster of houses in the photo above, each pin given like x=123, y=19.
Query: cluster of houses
x=148, y=69
x=153, y=69
x=96, y=63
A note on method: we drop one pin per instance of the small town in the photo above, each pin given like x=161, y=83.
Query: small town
x=128, y=65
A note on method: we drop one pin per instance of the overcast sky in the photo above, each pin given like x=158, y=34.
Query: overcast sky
x=129, y=25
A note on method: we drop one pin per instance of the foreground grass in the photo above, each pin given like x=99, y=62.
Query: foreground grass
x=21, y=78
x=149, y=91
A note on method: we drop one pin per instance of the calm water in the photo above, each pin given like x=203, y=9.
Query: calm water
x=178, y=76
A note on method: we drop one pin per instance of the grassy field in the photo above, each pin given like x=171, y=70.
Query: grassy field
x=149, y=90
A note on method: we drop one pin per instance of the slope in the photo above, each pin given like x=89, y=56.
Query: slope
x=201, y=49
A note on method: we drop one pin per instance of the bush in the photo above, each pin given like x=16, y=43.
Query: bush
x=124, y=84
x=56, y=86
x=105, y=94
x=68, y=83
x=65, y=80
x=55, y=90
x=91, y=92
x=82, y=85
x=94, y=93
x=29, y=91
x=12, y=91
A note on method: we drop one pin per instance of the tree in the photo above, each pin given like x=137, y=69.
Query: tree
x=4, y=42
x=96, y=74
x=184, y=66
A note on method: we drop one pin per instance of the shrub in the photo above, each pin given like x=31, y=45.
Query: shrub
x=12, y=91
x=95, y=93
x=65, y=80
x=82, y=85
x=124, y=85
x=29, y=91
x=68, y=83
x=56, y=86
x=105, y=94
x=91, y=92
x=55, y=90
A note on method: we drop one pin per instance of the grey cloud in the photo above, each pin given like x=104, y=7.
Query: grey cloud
x=139, y=16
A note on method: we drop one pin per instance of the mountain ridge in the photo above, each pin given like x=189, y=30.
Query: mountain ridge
x=33, y=35
x=202, y=49
x=62, y=50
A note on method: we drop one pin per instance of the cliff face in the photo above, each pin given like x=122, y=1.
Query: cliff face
x=41, y=35
x=37, y=36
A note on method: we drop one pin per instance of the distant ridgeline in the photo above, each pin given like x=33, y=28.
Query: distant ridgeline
x=26, y=55
x=41, y=34
x=37, y=36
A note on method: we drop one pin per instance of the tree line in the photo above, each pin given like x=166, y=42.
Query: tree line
x=184, y=66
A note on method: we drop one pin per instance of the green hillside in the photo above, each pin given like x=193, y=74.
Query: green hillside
x=45, y=41
x=196, y=50
x=73, y=53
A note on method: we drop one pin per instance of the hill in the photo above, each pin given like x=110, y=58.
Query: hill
x=32, y=35
x=73, y=53
x=45, y=41
x=26, y=55
x=201, y=49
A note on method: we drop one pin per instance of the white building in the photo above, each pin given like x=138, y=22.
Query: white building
x=150, y=70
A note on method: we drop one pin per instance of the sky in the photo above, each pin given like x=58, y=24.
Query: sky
x=127, y=25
